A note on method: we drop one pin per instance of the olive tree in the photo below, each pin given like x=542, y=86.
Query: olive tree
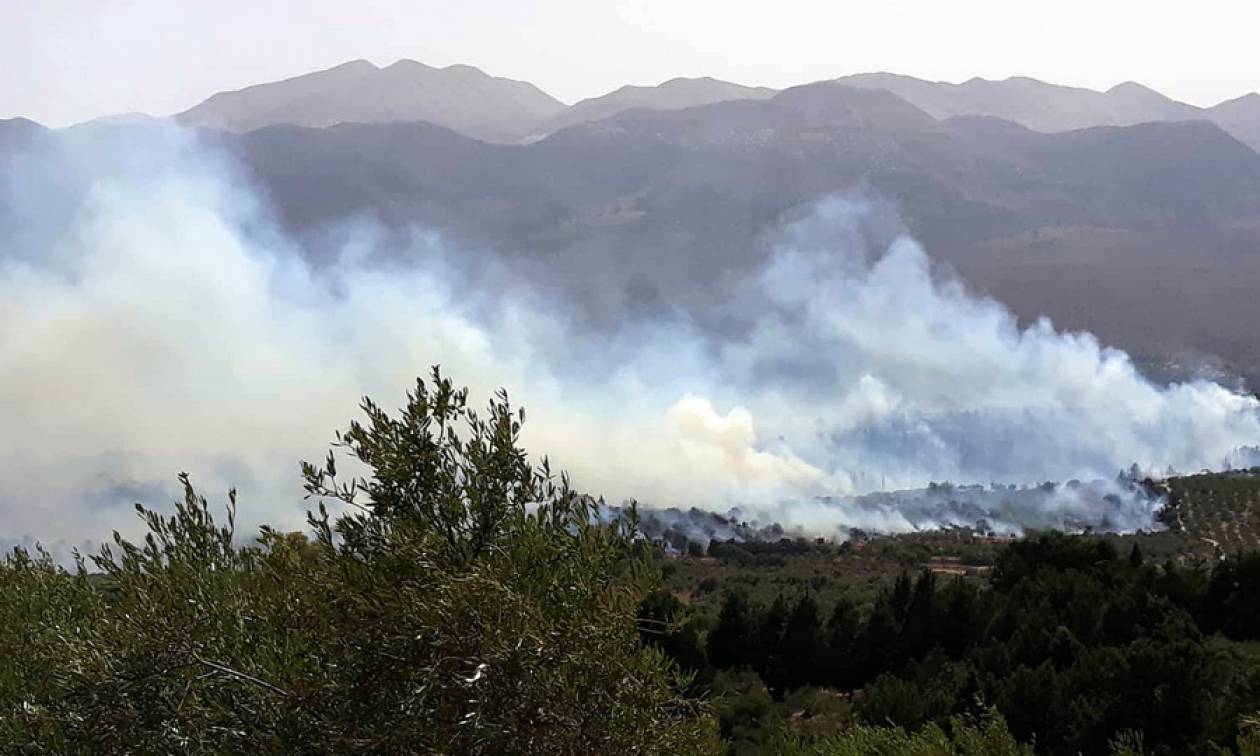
x=463, y=600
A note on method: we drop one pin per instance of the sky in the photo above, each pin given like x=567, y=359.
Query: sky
x=64, y=61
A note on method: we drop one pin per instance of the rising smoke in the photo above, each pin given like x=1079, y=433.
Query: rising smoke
x=153, y=319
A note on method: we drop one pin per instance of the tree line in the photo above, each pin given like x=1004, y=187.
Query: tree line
x=1071, y=642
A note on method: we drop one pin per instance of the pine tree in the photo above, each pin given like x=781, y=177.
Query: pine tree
x=731, y=641
x=841, y=663
x=802, y=650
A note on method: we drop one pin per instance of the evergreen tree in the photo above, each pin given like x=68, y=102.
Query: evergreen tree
x=878, y=641
x=899, y=601
x=841, y=663
x=768, y=653
x=731, y=642
x=802, y=649
x=920, y=625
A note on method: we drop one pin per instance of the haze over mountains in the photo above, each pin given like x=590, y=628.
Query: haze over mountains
x=1122, y=212
x=712, y=284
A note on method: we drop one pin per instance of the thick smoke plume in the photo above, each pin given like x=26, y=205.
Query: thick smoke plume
x=153, y=319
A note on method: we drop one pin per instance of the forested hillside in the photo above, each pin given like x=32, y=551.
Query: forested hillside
x=1081, y=644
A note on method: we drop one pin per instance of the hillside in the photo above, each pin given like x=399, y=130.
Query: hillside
x=814, y=635
x=1221, y=510
x=19, y=133
x=1240, y=117
x=965, y=178
x=1096, y=228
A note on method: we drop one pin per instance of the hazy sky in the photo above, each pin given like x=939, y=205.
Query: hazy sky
x=63, y=61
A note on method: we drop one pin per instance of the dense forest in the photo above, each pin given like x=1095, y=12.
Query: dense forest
x=461, y=598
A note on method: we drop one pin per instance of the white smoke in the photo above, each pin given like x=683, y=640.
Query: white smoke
x=153, y=319
x=1119, y=506
x=910, y=378
x=1245, y=458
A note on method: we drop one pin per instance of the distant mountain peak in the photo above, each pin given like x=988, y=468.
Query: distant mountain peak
x=406, y=63
x=1033, y=103
x=1251, y=99
x=690, y=80
x=23, y=123
x=18, y=132
x=459, y=97
x=677, y=93
x=121, y=119
x=1134, y=90
x=1240, y=117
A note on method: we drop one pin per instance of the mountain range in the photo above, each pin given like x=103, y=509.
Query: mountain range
x=1050, y=107
x=1122, y=212
x=466, y=100
x=461, y=98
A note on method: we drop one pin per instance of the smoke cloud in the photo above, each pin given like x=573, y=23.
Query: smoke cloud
x=153, y=319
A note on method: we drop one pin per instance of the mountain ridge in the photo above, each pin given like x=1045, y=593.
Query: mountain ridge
x=1098, y=227
x=1048, y=107
x=660, y=206
x=498, y=109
